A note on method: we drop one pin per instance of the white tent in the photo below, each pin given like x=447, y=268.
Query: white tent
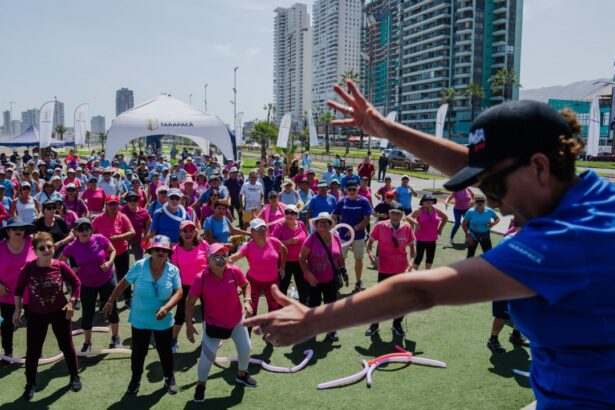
x=165, y=115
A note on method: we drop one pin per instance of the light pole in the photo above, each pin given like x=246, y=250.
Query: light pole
x=205, y=89
x=234, y=95
x=190, y=99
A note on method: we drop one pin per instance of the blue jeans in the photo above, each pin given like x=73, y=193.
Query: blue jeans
x=458, y=213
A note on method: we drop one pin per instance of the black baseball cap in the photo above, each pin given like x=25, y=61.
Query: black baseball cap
x=351, y=184
x=515, y=129
x=396, y=207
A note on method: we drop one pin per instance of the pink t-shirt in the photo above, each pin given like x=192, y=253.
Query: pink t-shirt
x=95, y=200
x=284, y=233
x=138, y=220
x=88, y=257
x=318, y=260
x=313, y=185
x=190, y=263
x=70, y=217
x=269, y=214
x=427, y=230
x=263, y=262
x=366, y=193
x=392, y=259
x=463, y=199
x=220, y=298
x=108, y=227
x=10, y=266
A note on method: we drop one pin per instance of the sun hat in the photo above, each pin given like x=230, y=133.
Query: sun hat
x=215, y=248
x=427, y=197
x=71, y=186
x=233, y=169
x=16, y=222
x=292, y=207
x=25, y=184
x=405, y=177
x=323, y=184
x=49, y=202
x=256, y=223
x=132, y=194
x=479, y=197
x=323, y=216
x=160, y=242
x=162, y=188
x=272, y=194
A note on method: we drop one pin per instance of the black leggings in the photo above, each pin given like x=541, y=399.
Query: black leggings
x=121, y=264
x=382, y=173
x=381, y=277
x=485, y=245
x=180, y=309
x=140, y=346
x=88, y=301
x=293, y=270
x=421, y=249
x=322, y=292
x=7, y=328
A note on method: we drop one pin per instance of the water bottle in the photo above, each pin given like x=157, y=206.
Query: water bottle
x=293, y=294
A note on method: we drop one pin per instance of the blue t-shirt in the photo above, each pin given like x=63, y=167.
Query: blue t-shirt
x=346, y=179
x=352, y=213
x=163, y=224
x=149, y=296
x=222, y=190
x=404, y=196
x=566, y=258
x=479, y=221
x=6, y=201
x=220, y=229
x=321, y=203
x=328, y=176
x=8, y=188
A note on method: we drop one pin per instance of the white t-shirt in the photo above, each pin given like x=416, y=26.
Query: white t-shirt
x=253, y=194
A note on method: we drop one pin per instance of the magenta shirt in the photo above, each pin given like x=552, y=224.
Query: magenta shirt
x=284, y=233
x=427, y=230
x=392, y=259
x=190, y=263
x=88, y=257
x=262, y=262
x=10, y=266
x=463, y=199
x=221, y=305
x=318, y=261
x=95, y=200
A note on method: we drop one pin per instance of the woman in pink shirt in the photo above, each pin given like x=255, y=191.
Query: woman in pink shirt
x=135, y=186
x=190, y=257
x=223, y=315
x=15, y=251
x=273, y=211
x=463, y=202
x=429, y=224
x=394, y=237
x=316, y=263
x=292, y=233
x=207, y=209
x=94, y=197
x=263, y=254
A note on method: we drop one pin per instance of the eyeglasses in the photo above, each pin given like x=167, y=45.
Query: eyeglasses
x=86, y=228
x=26, y=188
x=132, y=200
x=290, y=213
x=188, y=230
x=162, y=250
x=260, y=229
x=174, y=198
x=113, y=204
x=493, y=186
x=50, y=208
x=220, y=258
x=71, y=190
x=44, y=248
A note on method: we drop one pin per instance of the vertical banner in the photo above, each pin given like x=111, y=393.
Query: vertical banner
x=612, y=120
x=312, y=128
x=440, y=120
x=81, y=123
x=392, y=116
x=593, y=130
x=46, y=124
x=284, y=130
x=239, y=129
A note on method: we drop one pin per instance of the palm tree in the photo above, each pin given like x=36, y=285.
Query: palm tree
x=60, y=130
x=288, y=152
x=270, y=108
x=448, y=97
x=502, y=81
x=264, y=132
x=325, y=118
x=475, y=93
x=102, y=137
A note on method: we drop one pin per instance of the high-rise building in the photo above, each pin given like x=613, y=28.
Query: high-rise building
x=292, y=61
x=98, y=124
x=124, y=100
x=58, y=114
x=6, y=122
x=336, y=47
x=30, y=117
x=442, y=44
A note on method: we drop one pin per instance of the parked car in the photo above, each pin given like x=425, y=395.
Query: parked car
x=403, y=159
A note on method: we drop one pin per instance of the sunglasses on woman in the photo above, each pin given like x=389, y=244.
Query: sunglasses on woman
x=132, y=200
x=220, y=258
x=43, y=248
x=290, y=213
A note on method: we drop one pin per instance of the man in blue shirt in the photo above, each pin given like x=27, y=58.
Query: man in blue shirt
x=327, y=176
x=403, y=194
x=350, y=177
x=166, y=219
x=355, y=211
x=323, y=202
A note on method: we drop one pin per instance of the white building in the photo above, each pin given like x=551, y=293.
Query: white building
x=292, y=61
x=336, y=46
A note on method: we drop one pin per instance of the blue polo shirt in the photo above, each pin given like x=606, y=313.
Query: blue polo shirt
x=222, y=190
x=404, y=196
x=346, y=179
x=220, y=229
x=162, y=224
x=321, y=203
x=149, y=295
x=566, y=258
x=352, y=213
x=478, y=222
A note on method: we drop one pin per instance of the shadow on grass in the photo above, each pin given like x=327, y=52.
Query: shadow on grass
x=44, y=403
x=320, y=348
x=504, y=363
x=131, y=401
x=234, y=399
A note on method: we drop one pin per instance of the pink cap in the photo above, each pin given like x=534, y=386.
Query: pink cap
x=185, y=224
x=215, y=248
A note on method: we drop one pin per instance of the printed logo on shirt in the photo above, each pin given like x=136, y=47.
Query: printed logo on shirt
x=525, y=251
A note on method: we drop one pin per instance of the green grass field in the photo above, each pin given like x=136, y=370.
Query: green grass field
x=475, y=379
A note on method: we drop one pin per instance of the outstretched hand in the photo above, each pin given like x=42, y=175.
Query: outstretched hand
x=362, y=114
x=285, y=326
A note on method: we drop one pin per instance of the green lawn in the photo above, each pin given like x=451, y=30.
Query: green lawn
x=475, y=379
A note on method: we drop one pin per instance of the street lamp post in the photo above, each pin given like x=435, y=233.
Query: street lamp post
x=190, y=99
x=234, y=95
x=205, y=89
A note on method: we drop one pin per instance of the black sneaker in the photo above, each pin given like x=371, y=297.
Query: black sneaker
x=199, y=394
x=115, y=342
x=372, y=330
x=77, y=304
x=246, y=380
x=495, y=346
x=518, y=339
x=133, y=387
x=29, y=392
x=75, y=383
x=87, y=347
x=359, y=286
x=333, y=336
x=170, y=384
x=397, y=329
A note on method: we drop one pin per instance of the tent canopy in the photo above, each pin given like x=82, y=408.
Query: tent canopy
x=31, y=138
x=167, y=115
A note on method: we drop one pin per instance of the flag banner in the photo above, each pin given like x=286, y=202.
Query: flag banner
x=440, y=120
x=612, y=121
x=46, y=123
x=312, y=128
x=239, y=129
x=284, y=130
x=81, y=123
x=392, y=116
x=593, y=130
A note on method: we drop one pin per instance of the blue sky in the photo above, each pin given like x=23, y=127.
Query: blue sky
x=82, y=51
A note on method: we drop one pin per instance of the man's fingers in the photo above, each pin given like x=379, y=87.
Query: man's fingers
x=356, y=93
x=346, y=122
x=337, y=106
x=279, y=297
x=345, y=96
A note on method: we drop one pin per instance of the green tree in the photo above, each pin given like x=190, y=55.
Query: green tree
x=325, y=119
x=448, y=97
x=60, y=130
x=288, y=152
x=102, y=137
x=475, y=93
x=270, y=108
x=503, y=81
x=264, y=133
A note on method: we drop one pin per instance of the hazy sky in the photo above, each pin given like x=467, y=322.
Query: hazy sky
x=82, y=51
